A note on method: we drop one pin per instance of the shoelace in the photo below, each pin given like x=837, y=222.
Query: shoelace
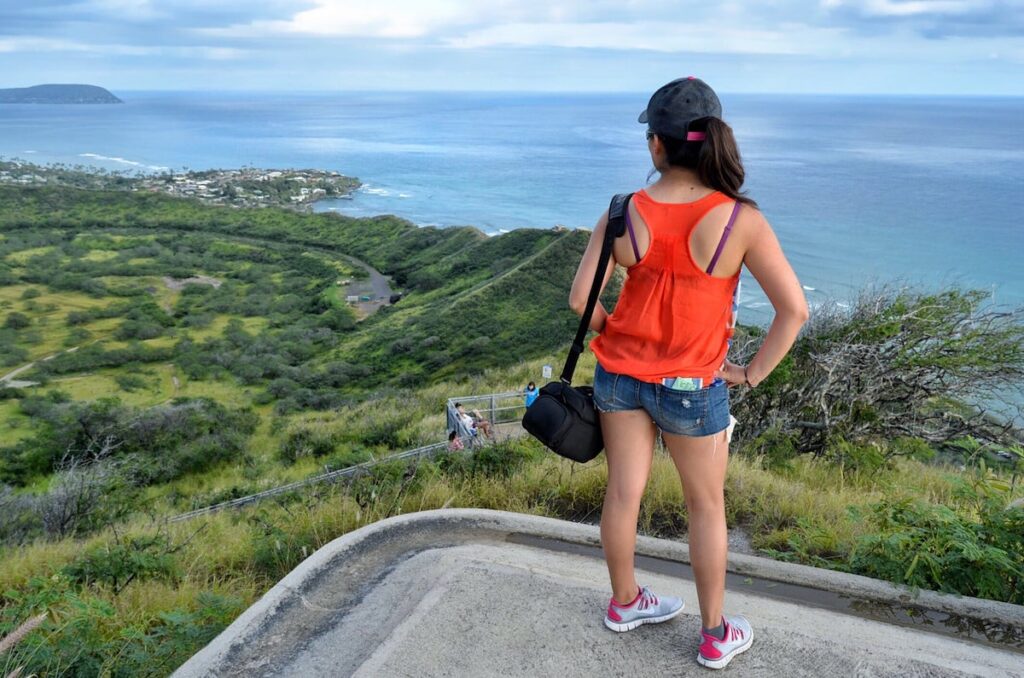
x=731, y=634
x=735, y=633
x=647, y=599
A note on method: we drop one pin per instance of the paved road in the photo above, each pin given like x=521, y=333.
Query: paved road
x=379, y=286
x=477, y=593
x=380, y=283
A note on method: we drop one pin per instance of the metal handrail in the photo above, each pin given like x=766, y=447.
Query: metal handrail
x=323, y=477
x=355, y=469
x=492, y=407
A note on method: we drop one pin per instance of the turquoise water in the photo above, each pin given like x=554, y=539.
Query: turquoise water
x=859, y=189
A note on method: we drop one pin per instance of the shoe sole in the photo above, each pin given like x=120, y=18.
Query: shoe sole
x=622, y=627
x=724, y=661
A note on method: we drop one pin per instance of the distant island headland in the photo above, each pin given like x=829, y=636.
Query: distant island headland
x=58, y=94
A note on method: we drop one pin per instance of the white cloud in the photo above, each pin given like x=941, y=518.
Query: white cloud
x=408, y=19
x=418, y=19
x=30, y=44
x=657, y=36
x=131, y=9
x=464, y=24
x=908, y=8
x=39, y=45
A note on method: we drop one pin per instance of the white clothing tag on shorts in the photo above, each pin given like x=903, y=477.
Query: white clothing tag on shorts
x=728, y=430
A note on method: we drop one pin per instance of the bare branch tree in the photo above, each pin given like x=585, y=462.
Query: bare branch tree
x=897, y=364
x=78, y=487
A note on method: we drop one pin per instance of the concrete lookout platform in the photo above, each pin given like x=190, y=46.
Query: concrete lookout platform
x=485, y=593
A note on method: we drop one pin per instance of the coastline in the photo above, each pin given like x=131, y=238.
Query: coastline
x=297, y=189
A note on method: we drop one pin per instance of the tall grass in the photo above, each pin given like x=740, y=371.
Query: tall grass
x=223, y=563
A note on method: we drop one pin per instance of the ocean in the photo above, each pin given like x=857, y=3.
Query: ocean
x=861, y=190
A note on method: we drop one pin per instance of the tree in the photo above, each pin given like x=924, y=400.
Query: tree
x=898, y=364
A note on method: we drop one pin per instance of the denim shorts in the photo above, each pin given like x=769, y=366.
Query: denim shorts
x=686, y=413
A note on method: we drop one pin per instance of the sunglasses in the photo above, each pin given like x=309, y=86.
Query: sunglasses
x=649, y=134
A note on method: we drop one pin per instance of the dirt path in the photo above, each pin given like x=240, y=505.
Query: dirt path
x=178, y=284
x=8, y=380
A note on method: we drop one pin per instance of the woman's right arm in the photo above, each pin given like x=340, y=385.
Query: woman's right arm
x=766, y=262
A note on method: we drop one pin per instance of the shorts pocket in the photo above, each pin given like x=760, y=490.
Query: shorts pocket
x=681, y=412
x=718, y=407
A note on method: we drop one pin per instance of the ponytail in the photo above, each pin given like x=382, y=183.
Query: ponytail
x=716, y=158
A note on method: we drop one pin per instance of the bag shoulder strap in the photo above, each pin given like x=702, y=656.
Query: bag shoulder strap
x=615, y=228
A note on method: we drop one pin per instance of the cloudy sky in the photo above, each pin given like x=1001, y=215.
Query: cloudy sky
x=849, y=46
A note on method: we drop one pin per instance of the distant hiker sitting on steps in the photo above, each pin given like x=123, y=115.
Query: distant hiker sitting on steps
x=475, y=421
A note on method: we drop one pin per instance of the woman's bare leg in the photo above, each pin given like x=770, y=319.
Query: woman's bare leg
x=629, y=449
x=701, y=463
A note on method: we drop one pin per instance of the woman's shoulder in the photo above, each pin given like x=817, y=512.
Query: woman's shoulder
x=751, y=215
x=751, y=226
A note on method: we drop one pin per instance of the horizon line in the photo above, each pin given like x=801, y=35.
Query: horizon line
x=645, y=92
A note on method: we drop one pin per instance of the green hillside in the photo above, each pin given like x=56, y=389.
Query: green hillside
x=173, y=355
x=464, y=305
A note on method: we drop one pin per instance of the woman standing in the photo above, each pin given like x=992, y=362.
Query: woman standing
x=662, y=352
x=531, y=393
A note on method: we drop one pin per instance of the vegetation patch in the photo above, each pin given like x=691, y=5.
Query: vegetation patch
x=851, y=456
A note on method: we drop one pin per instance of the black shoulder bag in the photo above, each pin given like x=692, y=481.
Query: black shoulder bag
x=563, y=417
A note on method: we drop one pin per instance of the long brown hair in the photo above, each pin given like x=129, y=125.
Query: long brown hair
x=716, y=159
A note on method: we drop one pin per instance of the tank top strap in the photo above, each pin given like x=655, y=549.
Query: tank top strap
x=705, y=205
x=671, y=212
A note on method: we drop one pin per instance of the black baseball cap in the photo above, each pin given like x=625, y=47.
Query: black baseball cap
x=675, y=105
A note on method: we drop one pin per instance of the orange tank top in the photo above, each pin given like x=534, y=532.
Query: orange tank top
x=672, y=318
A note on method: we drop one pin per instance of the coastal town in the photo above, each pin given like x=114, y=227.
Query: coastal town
x=245, y=187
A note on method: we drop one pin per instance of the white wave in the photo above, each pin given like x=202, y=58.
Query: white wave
x=842, y=304
x=405, y=195
x=372, y=190
x=123, y=161
x=808, y=288
x=27, y=152
x=612, y=136
x=756, y=304
x=970, y=160
x=322, y=144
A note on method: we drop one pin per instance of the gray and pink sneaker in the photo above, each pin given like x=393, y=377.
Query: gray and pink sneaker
x=715, y=653
x=646, y=608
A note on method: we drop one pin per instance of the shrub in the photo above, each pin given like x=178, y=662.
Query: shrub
x=82, y=496
x=129, y=382
x=775, y=447
x=118, y=564
x=17, y=321
x=307, y=441
x=500, y=460
x=932, y=546
x=85, y=636
x=403, y=345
